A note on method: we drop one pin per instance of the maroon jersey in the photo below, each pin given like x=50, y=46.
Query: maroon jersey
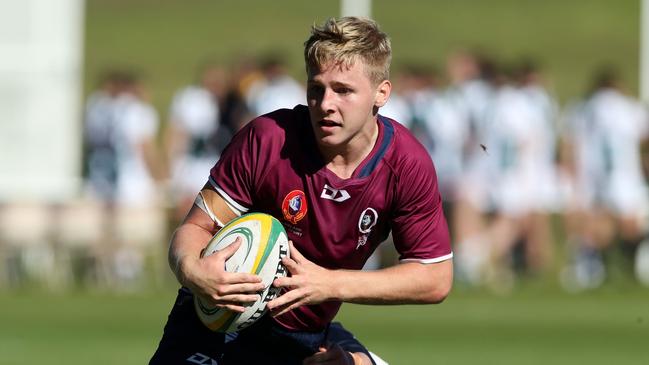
x=273, y=166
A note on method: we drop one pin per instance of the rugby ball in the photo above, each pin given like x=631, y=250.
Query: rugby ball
x=264, y=244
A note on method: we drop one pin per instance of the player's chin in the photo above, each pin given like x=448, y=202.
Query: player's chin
x=330, y=140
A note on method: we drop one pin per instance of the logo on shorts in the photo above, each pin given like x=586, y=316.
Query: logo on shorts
x=294, y=206
x=201, y=359
x=366, y=222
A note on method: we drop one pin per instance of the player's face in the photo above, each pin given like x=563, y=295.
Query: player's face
x=343, y=103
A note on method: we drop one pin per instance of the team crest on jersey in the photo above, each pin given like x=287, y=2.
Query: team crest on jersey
x=366, y=222
x=294, y=206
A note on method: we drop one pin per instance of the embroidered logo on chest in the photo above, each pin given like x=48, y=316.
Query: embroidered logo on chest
x=366, y=222
x=294, y=206
x=337, y=195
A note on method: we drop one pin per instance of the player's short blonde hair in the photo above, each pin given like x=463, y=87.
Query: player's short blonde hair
x=344, y=41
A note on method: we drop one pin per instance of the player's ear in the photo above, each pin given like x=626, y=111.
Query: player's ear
x=382, y=93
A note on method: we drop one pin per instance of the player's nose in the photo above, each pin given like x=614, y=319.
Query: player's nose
x=327, y=104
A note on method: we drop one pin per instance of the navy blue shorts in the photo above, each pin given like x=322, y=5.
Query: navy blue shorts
x=187, y=341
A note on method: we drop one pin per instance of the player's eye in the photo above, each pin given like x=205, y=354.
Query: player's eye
x=343, y=90
x=314, y=91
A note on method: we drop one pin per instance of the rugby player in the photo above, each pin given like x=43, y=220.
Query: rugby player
x=340, y=177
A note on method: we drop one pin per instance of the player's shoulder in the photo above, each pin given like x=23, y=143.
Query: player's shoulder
x=409, y=162
x=278, y=122
x=406, y=150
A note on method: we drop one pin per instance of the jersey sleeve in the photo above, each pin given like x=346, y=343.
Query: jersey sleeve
x=419, y=228
x=241, y=166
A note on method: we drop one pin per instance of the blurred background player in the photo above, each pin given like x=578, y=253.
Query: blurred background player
x=139, y=164
x=99, y=128
x=609, y=195
x=276, y=89
x=442, y=123
x=100, y=173
x=523, y=125
x=470, y=95
x=195, y=136
x=123, y=166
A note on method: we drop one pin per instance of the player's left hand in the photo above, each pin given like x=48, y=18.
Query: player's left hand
x=335, y=355
x=308, y=284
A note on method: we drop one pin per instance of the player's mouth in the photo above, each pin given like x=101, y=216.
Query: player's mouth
x=327, y=125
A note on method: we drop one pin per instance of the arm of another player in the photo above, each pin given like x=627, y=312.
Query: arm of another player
x=406, y=283
x=206, y=276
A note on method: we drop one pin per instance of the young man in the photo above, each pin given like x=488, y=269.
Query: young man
x=339, y=177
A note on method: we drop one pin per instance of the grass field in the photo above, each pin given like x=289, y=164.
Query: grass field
x=531, y=326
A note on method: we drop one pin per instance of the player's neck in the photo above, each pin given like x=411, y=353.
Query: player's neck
x=344, y=160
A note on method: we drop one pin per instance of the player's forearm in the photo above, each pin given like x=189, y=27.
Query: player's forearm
x=408, y=283
x=186, y=244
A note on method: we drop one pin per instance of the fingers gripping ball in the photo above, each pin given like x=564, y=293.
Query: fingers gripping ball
x=263, y=245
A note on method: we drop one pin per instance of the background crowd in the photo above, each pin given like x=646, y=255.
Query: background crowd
x=531, y=188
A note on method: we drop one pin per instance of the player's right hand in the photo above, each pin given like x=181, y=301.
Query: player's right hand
x=207, y=278
x=333, y=354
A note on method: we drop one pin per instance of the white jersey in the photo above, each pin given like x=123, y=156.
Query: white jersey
x=606, y=132
x=477, y=96
x=136, y=123
x=544, y=111
x=280, y=92
x=473, y=100
x=447, y=130
x=99, y=118
x=195, y=111
x=419, y=101
x=524, y=143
